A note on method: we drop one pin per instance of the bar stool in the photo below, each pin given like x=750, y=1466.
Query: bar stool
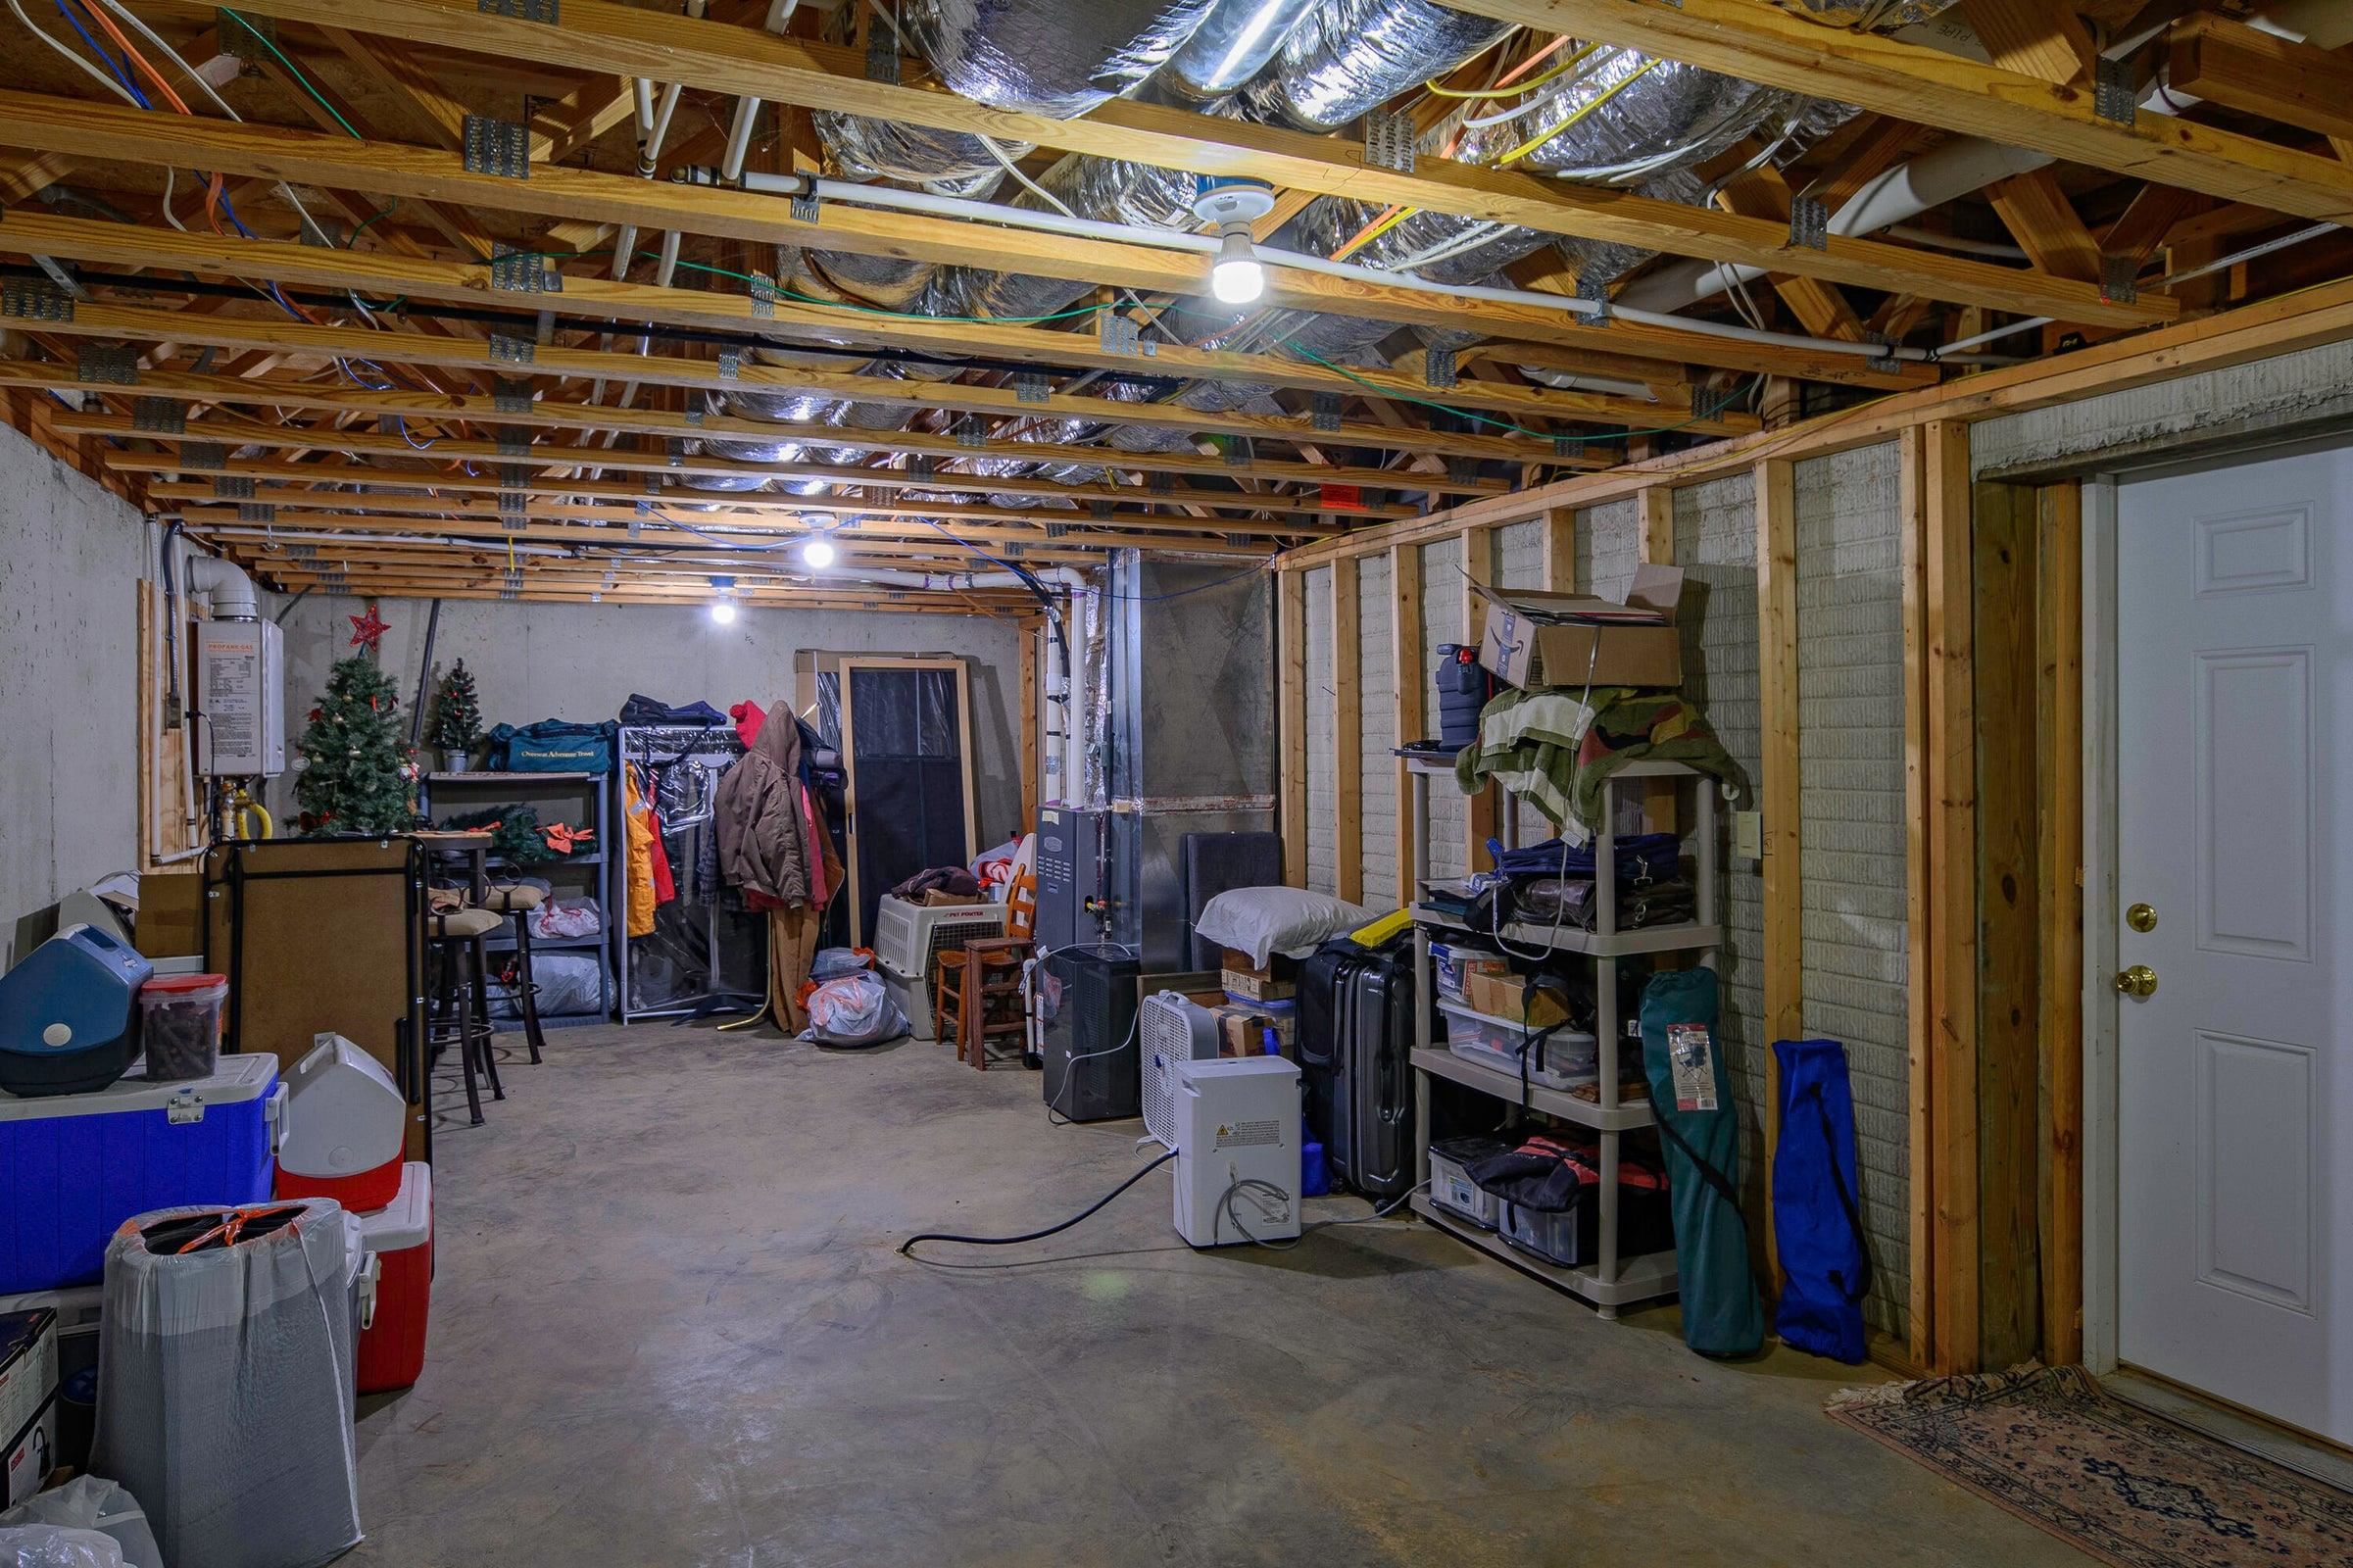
x=462, y=999
x=521, y=900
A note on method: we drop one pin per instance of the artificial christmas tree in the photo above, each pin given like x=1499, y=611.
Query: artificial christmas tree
x=357, y=774
x=457, y=717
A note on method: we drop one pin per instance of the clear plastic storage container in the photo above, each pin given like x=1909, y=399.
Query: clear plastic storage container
x=1568, y=1057
x=180, y=1025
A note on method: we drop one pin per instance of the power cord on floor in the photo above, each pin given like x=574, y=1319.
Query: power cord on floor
x=906, y=1248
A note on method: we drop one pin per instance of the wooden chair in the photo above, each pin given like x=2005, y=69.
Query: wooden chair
x=976, y=993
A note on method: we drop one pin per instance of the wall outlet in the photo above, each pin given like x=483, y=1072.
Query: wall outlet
x=1749, y=835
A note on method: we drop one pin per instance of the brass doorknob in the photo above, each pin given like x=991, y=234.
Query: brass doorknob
x=2139, y=981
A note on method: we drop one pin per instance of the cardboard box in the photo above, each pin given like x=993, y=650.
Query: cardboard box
x=1530, y=640
x=1499, y=996
x=939, y=899
x=27, y=1402
x=1241, y=1030
x=1257, y=985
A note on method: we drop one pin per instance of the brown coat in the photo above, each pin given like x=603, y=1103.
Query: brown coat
x=764, y=841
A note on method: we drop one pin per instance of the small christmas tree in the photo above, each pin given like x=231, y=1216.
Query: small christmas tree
x=456, y=713
x=357, y=775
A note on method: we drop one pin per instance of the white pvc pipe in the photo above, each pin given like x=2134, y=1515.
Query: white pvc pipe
x=224, y=585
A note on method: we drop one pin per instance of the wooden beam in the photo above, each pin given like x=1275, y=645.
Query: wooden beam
x=1758, y=41
x=605, y=301
x=1409, y=681
x=1479, y=811
x=1291, y=706
x=2040, y=39
x=2039, y=216
x=1762, y=192
x=2243, y=68
x=1559, y=561
x=2059, y=917
x=603, y=35
x=1920, y=1031
x=2152, y=215
x=1348, y=736
x=2003, y=869
x=1782, y=895
x=1656, y=542
x=1951, y=1152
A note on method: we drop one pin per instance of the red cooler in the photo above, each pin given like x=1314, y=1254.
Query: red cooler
x=400, y=1241
x=345, y=1119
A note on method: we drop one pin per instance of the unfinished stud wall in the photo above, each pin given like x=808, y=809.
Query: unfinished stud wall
x=1715, y=543
x=1323, y=802
x=1609, y=545
x=1520, y=563
x=1850, y=713
x=534, y=661
x=71, y=555
x=1376, y=727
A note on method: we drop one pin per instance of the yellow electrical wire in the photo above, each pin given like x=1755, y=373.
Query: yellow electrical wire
x=1512, y=90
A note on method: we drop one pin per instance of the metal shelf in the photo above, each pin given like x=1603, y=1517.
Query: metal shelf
x=546, y=944
x=1645, y=1277
x=1678, y=938
x=1441, y=1062
x=508, y=778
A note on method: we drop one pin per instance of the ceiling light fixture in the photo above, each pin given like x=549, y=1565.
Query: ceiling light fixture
x=723, y=614
x=817, y=553
x=1237, y=277
x=723, y=609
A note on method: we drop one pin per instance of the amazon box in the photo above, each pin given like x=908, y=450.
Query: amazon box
x=1568, y=641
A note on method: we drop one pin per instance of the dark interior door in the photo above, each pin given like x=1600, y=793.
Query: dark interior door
x=905, y=736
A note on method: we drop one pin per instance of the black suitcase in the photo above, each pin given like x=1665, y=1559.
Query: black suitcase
x=1356, y=1045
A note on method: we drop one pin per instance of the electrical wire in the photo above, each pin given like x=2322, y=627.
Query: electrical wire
x=906, y=1248
x=1006, y=162
x=293, y=70
x=110, y=83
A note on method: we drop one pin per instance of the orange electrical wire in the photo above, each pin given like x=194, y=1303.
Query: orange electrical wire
x=98, y=15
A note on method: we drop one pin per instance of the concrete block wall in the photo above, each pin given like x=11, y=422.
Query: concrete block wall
x=71, y=557
x=1377, y=728
x=1323, y=803
x=1609, y=545
x=1715, y=543
x=1850, y=711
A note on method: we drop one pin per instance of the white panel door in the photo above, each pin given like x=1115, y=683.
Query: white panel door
x=2234, y=827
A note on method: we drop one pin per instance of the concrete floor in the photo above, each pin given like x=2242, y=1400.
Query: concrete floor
x=670, y=1328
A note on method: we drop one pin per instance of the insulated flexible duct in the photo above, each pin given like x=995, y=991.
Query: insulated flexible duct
x=1233, y=44
x=1349, y=56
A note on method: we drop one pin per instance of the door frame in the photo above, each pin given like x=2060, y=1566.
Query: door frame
x=962, y=670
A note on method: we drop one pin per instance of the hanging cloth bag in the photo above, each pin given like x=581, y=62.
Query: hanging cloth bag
x=1816, y=1224
x=1700, y=1134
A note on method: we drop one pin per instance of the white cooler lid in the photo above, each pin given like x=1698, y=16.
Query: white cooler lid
x=407, y=1220
x=344, y=1113
x=235, y=1080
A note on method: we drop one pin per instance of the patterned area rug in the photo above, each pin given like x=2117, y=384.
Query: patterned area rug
x=2128, y=1486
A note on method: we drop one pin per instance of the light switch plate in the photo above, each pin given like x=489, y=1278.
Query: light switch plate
x=1749, y=835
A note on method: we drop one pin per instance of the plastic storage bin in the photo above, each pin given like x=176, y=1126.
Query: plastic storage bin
x=400, y=1236
x=73, y=1167
x=1572, y=1237
x=1450, y=1186
x=1569, y=1057
x=180, y=1025
x=1454, y=959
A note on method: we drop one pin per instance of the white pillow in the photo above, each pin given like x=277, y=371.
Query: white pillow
x=1264, y=922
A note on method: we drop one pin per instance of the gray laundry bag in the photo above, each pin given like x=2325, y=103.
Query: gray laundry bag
x=225, y=1383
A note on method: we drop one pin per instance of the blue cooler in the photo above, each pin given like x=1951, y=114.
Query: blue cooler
x=73, y=1167
x=68, y=1014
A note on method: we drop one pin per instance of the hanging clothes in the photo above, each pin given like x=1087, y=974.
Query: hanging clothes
x=749, y=717
x=644, y=843
x=769, y=849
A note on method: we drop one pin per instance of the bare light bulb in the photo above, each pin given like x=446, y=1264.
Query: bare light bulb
x=817, y=553
x=1237, y=278
x=723, y=614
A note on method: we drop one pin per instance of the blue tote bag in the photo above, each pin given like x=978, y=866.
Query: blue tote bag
x=1816, y=1223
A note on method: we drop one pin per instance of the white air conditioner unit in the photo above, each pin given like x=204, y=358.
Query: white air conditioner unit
x=1170, y=1028
x=1238, y=1151
x=908, y=937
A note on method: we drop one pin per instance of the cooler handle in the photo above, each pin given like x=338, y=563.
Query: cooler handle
x=368, y=1276
x=278, y=1111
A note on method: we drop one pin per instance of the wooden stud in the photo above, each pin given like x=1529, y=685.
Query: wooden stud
x=1347, y=737
x=1033, y=635
x=1783, y=967
x=1951, y=1152
x=1481, y=812
x=1290, y=709
x=2033, y=37
x=2004, y=866
x=1657, y=524
x=2039, y=216
x=1919, y=907
x=1559, y=566
x=2059, y=920
x=2229, y=63
x=1408, y=680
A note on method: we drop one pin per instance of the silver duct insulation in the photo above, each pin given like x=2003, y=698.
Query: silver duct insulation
x=1233, y=44
x=1349, y=56
x=1043, y=56
x=1868, y=15
x=1623, y=116
x=1108, y=190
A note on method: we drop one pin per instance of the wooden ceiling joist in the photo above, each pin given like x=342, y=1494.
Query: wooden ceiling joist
x=229, y=431
x=2261, y=74
x=708, y=373
x=1760, y=41
x=606, y=36
x=604, y=302
x=1296, y=521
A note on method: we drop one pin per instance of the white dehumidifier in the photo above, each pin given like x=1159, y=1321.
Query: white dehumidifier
x=1238, y=1151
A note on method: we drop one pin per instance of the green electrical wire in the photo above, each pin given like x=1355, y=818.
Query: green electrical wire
x=295, y=69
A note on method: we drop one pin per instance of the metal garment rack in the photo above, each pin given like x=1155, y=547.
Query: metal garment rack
x=716, y=749
x=1610, y=1281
